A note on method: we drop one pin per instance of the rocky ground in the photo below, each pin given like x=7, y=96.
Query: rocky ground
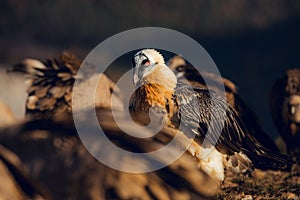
x=262, y=185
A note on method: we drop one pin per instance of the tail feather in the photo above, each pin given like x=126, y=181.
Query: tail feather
x=264, y=158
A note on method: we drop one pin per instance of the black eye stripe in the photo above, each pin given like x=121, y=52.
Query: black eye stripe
x=144, y=61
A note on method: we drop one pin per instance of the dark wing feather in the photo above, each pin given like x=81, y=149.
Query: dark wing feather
x=188, y=73
x=198, y=113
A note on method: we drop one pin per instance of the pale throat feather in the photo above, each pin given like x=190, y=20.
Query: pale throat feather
x=162, y=76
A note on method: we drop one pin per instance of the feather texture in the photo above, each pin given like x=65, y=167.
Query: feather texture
x=200, y=112
x=51, y=85
x=223, y=87
x=285, y=109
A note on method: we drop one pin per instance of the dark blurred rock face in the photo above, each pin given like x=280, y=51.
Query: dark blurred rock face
x=16, y=182
x=56, y=157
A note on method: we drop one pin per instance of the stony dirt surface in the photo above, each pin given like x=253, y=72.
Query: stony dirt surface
x=262, y=185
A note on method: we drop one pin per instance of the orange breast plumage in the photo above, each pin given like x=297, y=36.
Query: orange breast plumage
x=152, y=96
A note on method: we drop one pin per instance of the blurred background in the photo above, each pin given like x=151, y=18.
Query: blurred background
x=252, y=42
